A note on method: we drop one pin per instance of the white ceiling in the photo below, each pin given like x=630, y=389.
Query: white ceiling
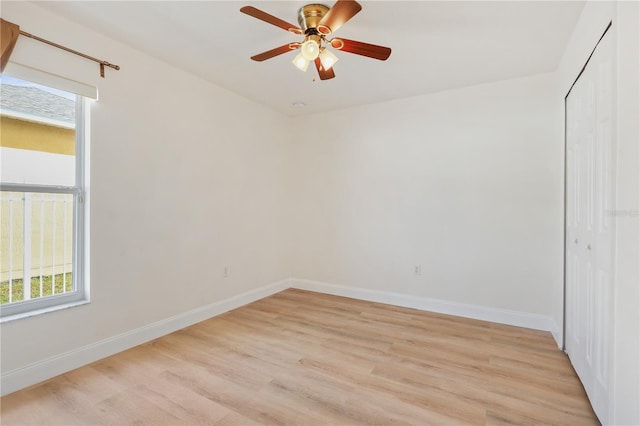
x=437, y=45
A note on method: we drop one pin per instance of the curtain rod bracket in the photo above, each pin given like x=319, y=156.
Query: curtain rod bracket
x=107, y=64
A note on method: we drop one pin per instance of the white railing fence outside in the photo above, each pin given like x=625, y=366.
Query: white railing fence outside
x=36, y=243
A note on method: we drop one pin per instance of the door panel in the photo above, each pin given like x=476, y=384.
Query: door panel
x=589, y=233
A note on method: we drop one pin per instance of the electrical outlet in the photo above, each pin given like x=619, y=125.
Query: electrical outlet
x=225, y=273
x=417, y=270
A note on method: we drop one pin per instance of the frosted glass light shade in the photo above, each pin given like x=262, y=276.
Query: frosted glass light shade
x=310, y=50
x=300, y=62
x=327, y=58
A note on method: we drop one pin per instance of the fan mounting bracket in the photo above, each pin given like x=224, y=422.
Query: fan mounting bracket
x=310, y=15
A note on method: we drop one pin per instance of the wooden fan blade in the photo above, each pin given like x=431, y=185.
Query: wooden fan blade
x=360, y=48
x=9, y=33
x=275, y=52
x=340, y=13
x=324, y=74
x=270, y=19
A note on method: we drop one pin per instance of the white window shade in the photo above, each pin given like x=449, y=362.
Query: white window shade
x=24, y=72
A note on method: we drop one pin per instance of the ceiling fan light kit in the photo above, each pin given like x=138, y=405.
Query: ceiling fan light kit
x=317, y=21
x=327, y=58
x=310, y=49
x=301, y=62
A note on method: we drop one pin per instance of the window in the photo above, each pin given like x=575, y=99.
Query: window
x=42, y=193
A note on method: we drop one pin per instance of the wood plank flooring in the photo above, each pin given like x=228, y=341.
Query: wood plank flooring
x=306, y=358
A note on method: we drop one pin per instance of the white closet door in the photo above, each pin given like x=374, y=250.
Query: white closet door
x=589, y=233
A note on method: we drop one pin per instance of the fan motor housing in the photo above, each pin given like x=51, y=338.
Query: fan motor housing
x=310, y=15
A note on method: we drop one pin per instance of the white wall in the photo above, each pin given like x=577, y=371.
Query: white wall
x=466, y=183
x=625, y=366
x=186, y=178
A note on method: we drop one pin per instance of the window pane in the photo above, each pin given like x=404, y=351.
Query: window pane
x=37, y=142
x=36, y=245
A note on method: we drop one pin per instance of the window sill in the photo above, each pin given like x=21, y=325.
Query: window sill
x=33, y=313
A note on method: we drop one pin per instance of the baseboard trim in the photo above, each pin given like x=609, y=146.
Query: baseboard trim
x=556, y=332
x=37, y=372
x=485, y=313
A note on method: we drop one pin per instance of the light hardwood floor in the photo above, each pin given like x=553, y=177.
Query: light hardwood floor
x=306, y=358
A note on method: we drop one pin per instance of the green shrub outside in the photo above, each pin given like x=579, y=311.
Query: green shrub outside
x=18, y=287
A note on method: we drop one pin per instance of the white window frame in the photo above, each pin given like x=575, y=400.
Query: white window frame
x=80, y=295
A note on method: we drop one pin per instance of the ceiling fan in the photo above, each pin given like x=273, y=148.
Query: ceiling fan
x=318, y=21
